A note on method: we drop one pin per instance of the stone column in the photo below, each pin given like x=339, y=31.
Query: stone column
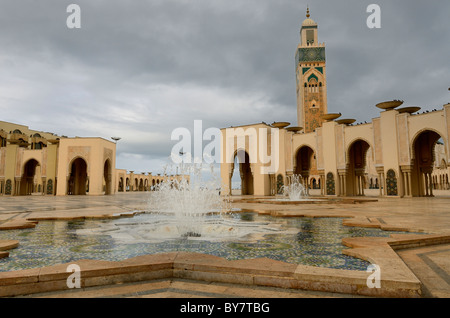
x=307, y=185
x=44, y=185
x=408, y=176
x=68, y=186
x=362, y=183
x=406, y=170
x=430, y=179
x=380, y=171
x=322, y=183
x=230, y=177
x=342, y=181
x=16, y=188
x=340, y=185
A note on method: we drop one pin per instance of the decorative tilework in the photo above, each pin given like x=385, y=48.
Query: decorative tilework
x=391, y=183
x=8, y=187
x=280, y=184
x=313, y=76
x=331, y=189
x=312, y=54
x=314, y=242
x=50, y=186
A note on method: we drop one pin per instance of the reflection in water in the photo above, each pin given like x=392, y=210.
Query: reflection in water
x=315, y=242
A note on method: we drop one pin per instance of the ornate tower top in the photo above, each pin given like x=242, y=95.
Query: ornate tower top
x=311, y=77
x=308, y=21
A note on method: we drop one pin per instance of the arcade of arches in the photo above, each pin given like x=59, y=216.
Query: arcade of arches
x=41, y=163
x=346, y=160
x=402, y=153
x=135, y=182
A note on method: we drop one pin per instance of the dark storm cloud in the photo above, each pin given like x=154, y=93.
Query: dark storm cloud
x=139, y=69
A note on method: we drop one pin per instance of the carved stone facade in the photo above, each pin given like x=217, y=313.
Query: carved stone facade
x=33, y=162
x=395, y=153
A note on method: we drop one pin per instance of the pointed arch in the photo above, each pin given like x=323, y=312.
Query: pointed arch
x=423, y=158
x=107, y=177
x=27, y=182
x=78, y=177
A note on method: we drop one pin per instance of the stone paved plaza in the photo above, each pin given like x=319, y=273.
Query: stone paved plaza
x=414, y=265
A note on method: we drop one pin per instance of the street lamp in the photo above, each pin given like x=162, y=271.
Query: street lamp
x=116, y=139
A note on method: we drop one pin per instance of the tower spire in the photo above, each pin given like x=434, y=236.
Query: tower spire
x=311, y=77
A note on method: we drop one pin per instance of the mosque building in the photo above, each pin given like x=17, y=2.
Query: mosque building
x=42, y=163
x=402, y=153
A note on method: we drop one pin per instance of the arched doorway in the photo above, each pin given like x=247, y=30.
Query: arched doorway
x=121, y=187
x=242, y=162
x=107, y=177
x=78, y=178
x=423, y=161
x=303, y=165
x=28, y=182
x=356, y=168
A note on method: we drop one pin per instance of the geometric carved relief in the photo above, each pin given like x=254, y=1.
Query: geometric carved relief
x=340, y=147
x=44, y=163
x=19, y=156
x=78, y=151
x=319, y=155
x=403, y=139
x=377, y=141
x=107, y=154
x=2, y=161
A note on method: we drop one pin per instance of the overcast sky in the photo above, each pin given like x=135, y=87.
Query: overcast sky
x=139, y=69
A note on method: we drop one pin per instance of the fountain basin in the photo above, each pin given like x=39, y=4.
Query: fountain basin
x=314, y=242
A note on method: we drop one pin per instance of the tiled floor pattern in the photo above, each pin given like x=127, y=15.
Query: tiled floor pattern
x=431, y=265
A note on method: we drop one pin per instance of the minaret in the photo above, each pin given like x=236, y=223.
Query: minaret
x=311, y=77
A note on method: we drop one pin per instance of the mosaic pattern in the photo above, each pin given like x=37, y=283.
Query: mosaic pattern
x=50, y=186
x=331, y=189
x=317, y=242
x=280, y=184
x=8, y=187
x=391, y=183
x=314, y=54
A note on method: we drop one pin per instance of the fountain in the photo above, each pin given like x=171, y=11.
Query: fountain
x=187, y=208
x=190, y=200
x=190, y=215
x=295, y=191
